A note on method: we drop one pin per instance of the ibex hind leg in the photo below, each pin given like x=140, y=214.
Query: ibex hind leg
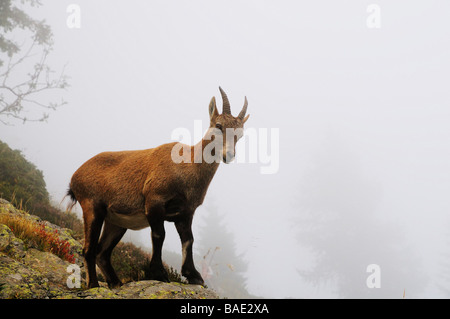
x=111, y=235
x=93, y=216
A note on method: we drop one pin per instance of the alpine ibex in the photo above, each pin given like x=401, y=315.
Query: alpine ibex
x=136, y=189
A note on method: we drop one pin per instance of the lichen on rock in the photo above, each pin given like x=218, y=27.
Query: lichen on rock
x=19, y=281
x=26, y=272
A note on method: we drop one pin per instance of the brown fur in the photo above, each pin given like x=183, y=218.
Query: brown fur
x=137, y=189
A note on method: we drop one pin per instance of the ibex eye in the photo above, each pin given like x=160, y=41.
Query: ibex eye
x=219, y=126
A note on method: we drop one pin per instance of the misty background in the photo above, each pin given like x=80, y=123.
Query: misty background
x=363, y=117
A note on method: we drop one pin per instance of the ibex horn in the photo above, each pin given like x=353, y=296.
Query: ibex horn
x=226, y=104
x=244, y=110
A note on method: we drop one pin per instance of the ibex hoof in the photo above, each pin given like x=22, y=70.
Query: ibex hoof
x=114, y=285
x=196, y=281
x=160, y=275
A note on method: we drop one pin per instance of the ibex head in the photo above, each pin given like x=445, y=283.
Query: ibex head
x=227, y=126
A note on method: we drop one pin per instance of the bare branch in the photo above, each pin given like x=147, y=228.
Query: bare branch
x=11, y=65
x=26, y=94
x=23, y=94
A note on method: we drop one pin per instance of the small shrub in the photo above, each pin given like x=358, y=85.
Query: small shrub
x=132, y=263
x=35, y=234
x=60, y=218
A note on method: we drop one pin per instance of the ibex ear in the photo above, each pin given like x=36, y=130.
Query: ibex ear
x=213, y=108
x=245, y=119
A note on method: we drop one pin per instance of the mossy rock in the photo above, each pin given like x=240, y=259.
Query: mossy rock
x=26, y=272
x=153, y=289
x=10, y=244
x=48, y=265
x=76, y=247
x=20, y=282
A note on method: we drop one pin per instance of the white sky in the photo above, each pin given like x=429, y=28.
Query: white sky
x=312, y=69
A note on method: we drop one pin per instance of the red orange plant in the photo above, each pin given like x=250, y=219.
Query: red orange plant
x=35, y=234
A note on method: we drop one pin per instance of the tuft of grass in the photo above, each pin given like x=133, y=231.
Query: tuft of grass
x=132, y=263
x=175, y=276
x=35, y=234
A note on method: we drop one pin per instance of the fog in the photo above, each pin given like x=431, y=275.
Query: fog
x=362, y=116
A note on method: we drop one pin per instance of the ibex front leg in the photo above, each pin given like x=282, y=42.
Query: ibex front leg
x=188, y=268
x=155, y=216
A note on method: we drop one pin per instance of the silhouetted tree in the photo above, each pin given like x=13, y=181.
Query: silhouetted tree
x=24, y=73
x=221, y=267
x=339, y=224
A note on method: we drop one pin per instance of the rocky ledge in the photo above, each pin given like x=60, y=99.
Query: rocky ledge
x=28, y=272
